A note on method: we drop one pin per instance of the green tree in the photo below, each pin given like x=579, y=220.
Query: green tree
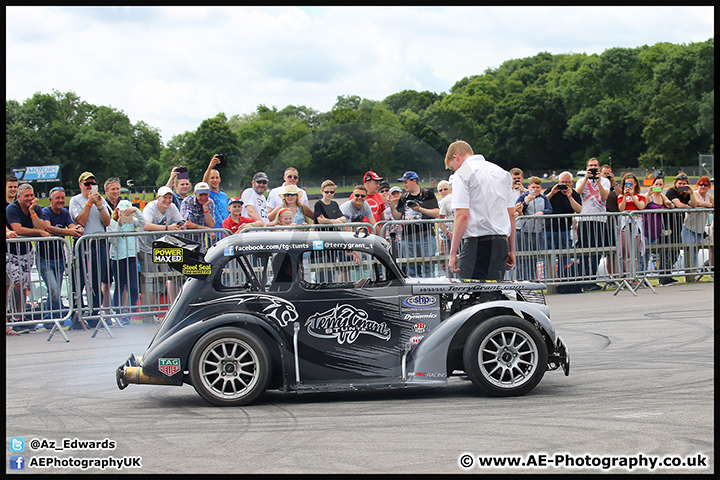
x=669, y=125
x=59, y=128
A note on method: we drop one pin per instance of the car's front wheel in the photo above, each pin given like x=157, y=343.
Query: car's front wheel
x=505, y=356
x=229, y=366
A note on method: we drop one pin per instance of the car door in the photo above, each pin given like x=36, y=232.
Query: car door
x=351, y=328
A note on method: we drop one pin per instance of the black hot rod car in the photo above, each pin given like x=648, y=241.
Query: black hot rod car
x=327, y=310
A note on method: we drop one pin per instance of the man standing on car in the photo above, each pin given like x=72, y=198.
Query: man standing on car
x=484, y=203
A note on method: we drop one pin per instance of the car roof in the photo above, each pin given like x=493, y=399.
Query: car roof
x=294, y=241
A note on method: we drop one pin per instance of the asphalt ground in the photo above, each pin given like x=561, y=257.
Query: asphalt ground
x=641, y=388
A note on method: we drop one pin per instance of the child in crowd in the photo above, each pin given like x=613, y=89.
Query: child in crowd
x=284, y=217
x=235, y=222
x=123, y=251
x=532, y=203
x=327, y=210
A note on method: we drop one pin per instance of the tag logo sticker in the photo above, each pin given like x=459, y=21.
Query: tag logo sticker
x=169, y=366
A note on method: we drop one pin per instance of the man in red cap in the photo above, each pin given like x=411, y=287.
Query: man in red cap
x=374, y=199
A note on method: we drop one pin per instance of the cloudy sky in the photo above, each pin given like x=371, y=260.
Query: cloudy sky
x=173, y=67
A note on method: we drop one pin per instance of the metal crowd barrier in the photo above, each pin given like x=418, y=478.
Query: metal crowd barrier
x=617, y=248
x=100, y=289
x=112, y=290
x=46, y=299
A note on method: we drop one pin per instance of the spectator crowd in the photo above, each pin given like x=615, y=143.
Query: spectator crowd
x=412, y=211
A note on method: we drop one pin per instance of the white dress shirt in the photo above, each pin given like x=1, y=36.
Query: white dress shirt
x=486, y=190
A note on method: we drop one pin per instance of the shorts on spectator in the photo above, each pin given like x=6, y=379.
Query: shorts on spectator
x=19, y=266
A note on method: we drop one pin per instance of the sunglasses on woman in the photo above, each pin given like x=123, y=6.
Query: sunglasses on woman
x=329, y=192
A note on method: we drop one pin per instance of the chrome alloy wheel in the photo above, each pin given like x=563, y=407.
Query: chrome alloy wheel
x=229, y=368
x=508, y=357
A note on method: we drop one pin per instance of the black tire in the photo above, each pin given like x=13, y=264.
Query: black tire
x=229, y=367
x=505, y=356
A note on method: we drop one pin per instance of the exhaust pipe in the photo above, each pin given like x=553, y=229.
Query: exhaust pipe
x=131, y=372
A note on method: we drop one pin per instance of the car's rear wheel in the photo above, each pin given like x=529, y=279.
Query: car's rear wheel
x=505, y=356
x=229, y=366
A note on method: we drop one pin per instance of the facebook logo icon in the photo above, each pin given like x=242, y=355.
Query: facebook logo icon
x=17, y=462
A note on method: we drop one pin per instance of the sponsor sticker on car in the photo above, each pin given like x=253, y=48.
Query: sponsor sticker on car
x=420, y=301
x=169, y=366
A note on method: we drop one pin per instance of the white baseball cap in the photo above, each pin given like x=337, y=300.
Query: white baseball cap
x=202, y=187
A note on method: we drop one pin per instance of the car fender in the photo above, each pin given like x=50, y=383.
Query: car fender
x=178, y=345
x=427, y=361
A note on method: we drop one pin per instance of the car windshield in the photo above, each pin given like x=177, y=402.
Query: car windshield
x=342, y=268
x=258, y=272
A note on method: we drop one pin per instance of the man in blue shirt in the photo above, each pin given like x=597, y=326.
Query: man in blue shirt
x=219, y=198
x=51, y=255
x=23, y=217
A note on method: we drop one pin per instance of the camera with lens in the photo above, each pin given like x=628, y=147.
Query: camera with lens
x=593, y=173
x=413, y=203
x=562, y=186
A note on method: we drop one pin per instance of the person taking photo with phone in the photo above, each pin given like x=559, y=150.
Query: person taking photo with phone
x=179, y=181
x=594, y=190
x=90, y=210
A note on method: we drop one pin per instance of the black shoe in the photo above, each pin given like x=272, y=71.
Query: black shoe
x=591, y=287
x=667, y=281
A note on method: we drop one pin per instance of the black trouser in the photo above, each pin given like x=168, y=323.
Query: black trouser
x=483, y=258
